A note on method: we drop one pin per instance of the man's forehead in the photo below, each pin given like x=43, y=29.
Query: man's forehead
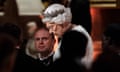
x=42, y=33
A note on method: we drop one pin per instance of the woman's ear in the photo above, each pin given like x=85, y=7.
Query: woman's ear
x=41, y=16
x=17, y=47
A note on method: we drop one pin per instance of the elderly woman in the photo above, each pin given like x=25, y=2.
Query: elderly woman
x=75, y=43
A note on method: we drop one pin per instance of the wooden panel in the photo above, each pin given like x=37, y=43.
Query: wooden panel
x=102, y=0
x=103, y=3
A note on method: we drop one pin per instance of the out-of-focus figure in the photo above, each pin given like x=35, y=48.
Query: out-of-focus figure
x=109, y=59
x=10, y=39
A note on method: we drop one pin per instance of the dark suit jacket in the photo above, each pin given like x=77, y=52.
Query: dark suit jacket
x=107, y=62
x=25, y=63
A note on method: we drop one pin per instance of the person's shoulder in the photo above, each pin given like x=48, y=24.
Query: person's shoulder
x=74, y=34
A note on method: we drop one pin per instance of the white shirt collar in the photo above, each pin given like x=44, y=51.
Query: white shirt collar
x=42, y=58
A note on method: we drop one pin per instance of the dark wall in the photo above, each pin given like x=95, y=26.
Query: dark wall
x=22, y=21
x=11, y=15
x=101, y=17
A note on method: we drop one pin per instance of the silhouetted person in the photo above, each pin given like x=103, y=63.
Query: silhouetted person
x=10, y=38
x=109, y=59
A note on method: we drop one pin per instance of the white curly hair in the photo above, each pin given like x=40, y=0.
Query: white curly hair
x=58, y=14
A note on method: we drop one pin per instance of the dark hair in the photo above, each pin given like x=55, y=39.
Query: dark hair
x=113, y=32
x=11, y=29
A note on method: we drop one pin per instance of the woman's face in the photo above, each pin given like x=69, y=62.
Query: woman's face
x=57, y=29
